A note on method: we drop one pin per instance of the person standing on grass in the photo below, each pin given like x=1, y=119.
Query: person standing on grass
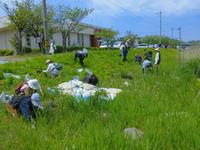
x=157, y=59
x=124, y=52
x=127, y=43
x=52, y=48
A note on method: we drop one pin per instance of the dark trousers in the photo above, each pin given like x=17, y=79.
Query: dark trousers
x=124, y=58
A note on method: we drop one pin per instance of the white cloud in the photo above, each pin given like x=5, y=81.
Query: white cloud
x=137, y=7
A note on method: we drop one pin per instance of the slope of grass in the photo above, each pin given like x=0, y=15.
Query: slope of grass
x=164, y=106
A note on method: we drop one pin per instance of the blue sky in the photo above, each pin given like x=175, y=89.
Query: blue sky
x=140, y=16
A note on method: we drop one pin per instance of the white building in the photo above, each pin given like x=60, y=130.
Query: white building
x=84, y=38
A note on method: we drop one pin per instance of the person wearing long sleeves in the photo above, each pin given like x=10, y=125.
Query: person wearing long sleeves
x=51, y=69
x=157, y=58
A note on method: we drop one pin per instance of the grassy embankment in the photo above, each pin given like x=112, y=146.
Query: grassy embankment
x=164, y=106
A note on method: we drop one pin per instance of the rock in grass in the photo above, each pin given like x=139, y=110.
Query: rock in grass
x=133, y=133
x=127, y=76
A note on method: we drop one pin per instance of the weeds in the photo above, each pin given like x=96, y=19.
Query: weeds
x=98, y=123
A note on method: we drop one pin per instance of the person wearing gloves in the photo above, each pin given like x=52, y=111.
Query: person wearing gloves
x=157, y=59
x=52, y=70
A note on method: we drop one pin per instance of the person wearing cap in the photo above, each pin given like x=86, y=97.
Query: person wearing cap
x=146, y=64
x=81, y=55
x=157, y=58
x=51, y=69
x=29, y=106
x=124, y=52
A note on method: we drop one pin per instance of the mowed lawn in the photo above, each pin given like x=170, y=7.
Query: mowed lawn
x=164, y=106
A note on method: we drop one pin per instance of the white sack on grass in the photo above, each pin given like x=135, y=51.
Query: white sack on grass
x=7, y=75
x=79, y=89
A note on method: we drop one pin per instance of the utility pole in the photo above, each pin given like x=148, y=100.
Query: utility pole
x=172, y=29
x=160, y=26
x=160, y=14
x=179, y=30
x=45, y=25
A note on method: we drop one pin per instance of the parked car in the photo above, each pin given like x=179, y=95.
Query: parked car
x=150, y=46
x=142, y=46
x=117, y=44
x=105, y=45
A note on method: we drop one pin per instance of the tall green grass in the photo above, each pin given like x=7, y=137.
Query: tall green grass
x=163, y=105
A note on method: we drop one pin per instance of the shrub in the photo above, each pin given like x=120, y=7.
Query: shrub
x=27, y=49
x=35, y=49
x=193, y=66
x=6, y=52
x=59, y=49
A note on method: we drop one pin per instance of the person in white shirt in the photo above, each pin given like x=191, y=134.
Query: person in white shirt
x=157, y=58
x=51, y=69
x=52, y=48
x=146, y=64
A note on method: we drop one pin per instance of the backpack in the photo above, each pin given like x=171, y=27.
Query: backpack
x=57, y=66
x=93, y=80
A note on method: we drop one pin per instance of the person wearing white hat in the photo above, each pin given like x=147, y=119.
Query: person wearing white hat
x=52, y=70
x=29, y=106
x=29, y=87
x=81, y=55
x=157, y=58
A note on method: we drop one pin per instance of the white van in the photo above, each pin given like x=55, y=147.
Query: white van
x=142, y=46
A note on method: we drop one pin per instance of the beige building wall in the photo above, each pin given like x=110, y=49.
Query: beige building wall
x=5, y=37
x=76, y=39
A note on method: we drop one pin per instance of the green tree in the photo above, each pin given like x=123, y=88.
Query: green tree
x=69, y=20
x=106, y=34
x=19, y=16
x=35, y=25
x=131, y=36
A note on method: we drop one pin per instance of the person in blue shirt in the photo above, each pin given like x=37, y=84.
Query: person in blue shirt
x=124, y=52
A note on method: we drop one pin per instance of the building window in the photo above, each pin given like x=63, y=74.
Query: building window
x=28, y=41
x=79, y=39
x=82, y=41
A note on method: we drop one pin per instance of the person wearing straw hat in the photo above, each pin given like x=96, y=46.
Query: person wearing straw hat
x=52, y=70
x=157, y=58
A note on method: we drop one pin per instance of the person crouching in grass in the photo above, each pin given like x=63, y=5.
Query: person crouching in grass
x=51, y=70
x=27, y=102
x=146, y=64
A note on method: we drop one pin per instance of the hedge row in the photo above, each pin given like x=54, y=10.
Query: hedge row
x=6, y=52
x=60, y=49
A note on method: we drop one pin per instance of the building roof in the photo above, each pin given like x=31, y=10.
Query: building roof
x=4, y=21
